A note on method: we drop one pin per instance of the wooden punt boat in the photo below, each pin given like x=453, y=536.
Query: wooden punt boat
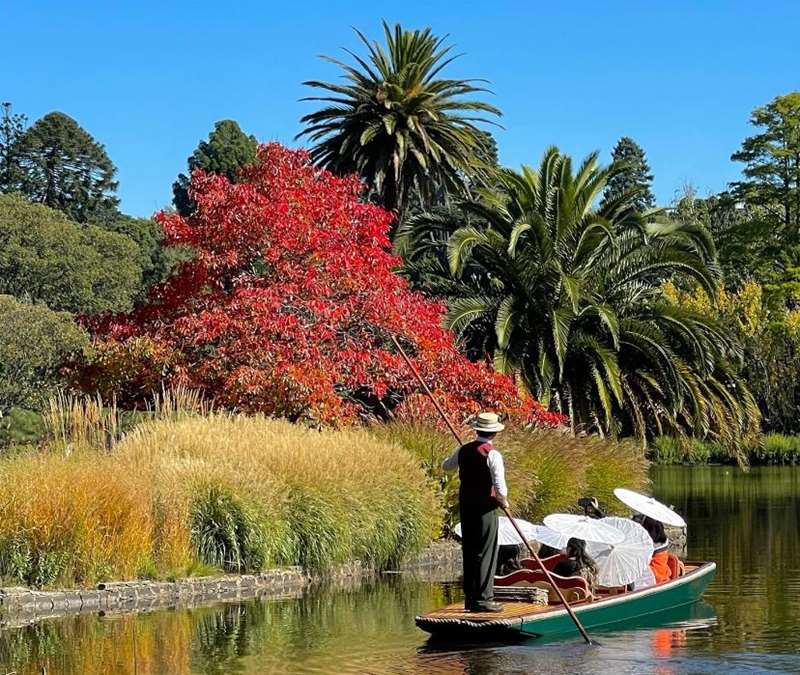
x=524, y=619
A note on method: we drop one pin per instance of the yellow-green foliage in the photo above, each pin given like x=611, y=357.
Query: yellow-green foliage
x=546, y=470
x=549, y=470
x=239, y=493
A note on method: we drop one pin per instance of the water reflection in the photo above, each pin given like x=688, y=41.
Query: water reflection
x=748, y=523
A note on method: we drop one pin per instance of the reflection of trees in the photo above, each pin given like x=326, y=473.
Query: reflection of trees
x=748, y=523
x=88, y=645
x=256, y=636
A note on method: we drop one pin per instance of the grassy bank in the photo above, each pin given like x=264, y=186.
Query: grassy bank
x=181, y=490
x=546, y=470
x=771, y=449
x=215, y=492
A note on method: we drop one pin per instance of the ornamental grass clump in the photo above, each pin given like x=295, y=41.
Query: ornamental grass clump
x=261, y=492
x=72, y=519
x=219, y=492
x=547, y=470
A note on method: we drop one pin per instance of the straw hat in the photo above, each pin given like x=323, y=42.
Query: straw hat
x=488, y=422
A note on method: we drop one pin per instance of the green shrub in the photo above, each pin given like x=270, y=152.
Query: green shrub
x=46, y=257
x=21, y=427
x=777, y=449
x=34, y=343
x=770, y=449
x=684, y=450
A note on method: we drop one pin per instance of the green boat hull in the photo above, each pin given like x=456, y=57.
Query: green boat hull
x=628, y=609
x=624, y=608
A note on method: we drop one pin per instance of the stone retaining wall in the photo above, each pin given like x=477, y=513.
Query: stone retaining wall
x=19, y=605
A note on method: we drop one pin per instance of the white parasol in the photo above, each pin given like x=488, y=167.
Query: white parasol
x=650, y=507
x=551, y=538
x=584, y=527
x=506, y=534
x=623, y=563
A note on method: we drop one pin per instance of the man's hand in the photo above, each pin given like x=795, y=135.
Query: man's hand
x=503, y=502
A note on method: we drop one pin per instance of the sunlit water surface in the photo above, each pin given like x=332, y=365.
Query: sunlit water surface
x=749, y=621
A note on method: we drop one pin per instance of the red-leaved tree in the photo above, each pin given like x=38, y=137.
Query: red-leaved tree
x=288, y=307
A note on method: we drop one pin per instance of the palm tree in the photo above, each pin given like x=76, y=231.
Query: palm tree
x=569, y=297
x=408, y=133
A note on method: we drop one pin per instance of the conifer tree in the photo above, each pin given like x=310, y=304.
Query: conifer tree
x=636, y=176
x=63, y=167
x=227, y=150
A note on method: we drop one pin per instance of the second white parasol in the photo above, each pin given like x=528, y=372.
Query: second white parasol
x=650, y=507
x=544, y=535
x=584, y=527
x=623, y=563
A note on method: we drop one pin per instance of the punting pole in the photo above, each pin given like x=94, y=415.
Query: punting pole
x=538, y=560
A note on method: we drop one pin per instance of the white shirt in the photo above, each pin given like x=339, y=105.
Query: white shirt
x=495, y=461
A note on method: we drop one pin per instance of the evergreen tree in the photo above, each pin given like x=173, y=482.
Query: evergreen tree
x=772, y=158
x=156, y=260
x=64, y=168
x=635, y=176
x=227, y=150
x=12, y=127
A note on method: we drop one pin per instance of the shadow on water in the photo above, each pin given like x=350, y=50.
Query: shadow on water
x=748, y=523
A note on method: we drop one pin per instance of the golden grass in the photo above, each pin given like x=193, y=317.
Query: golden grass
x=239, y=493
x=71, y=519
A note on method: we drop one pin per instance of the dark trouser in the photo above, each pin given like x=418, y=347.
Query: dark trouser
x=479, y=550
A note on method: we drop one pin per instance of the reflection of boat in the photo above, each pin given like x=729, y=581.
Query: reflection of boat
x=523, y=619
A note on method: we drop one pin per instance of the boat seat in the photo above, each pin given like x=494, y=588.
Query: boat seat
x=550, y=562
x=571, y=595
x=571, y=586
x=676, y=566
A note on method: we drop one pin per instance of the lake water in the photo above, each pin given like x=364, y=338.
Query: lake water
x=749, y=621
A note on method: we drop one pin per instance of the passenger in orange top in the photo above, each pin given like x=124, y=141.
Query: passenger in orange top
x=659, y=562
x=659, y=566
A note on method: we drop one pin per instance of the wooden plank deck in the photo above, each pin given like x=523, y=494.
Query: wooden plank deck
x=511, y=610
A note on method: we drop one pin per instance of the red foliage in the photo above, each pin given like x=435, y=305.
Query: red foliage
x=288, y=307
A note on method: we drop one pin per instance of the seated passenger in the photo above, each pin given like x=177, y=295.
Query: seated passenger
x=659, y=562
x=508, y=559
x=578, y=563
x=546, y=551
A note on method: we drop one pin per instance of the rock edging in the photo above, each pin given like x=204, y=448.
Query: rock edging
x=31, y=605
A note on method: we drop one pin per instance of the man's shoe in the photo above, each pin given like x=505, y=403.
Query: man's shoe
x=486, y=607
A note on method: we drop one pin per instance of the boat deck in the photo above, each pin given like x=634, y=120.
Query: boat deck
x=511, y=610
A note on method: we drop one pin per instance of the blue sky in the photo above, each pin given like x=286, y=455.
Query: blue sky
x=149, y=79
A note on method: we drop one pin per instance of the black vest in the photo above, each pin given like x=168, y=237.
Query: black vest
x=476, y=488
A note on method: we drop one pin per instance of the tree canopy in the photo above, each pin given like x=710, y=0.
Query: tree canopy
x=12, y=126
x=49, y=259
x=408, y=132
x=772, y=163
x=569, y=297
x=226, y=152
x=35, y=342
x=61, y=166
x=288, y=309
